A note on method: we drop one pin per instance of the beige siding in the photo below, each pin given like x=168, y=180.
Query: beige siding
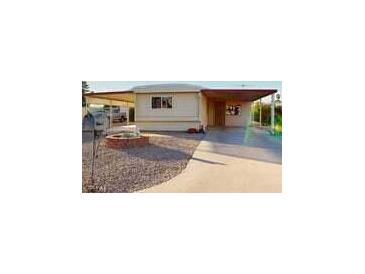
x=184, y=108
x=167, y=126
x=183, y=115
x=242, y=120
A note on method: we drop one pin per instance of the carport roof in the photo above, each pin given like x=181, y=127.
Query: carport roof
x=240, y=94
x=217, y=94
x=123, y=96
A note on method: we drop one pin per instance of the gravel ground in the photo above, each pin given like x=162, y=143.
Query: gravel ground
x=133, y=169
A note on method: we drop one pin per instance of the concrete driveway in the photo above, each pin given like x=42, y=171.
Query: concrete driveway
x=231, y=160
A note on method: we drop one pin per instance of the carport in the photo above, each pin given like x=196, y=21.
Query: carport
x=116, y=98
x=218, y=98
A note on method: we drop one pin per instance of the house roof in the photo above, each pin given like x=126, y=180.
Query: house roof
x=173, y=87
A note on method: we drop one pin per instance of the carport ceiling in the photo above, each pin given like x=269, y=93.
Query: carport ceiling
x=124, y=96
x=237, y=94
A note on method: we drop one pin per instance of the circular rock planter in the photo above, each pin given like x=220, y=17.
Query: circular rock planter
x=126, y=140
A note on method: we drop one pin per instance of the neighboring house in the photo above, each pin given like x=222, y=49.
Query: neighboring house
x=178, y=107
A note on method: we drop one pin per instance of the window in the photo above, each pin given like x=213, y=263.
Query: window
x=156, y=102
x=233, y=110
x=162, y=102
x=166, y=102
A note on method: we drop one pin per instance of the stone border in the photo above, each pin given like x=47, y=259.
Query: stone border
x=125, y=142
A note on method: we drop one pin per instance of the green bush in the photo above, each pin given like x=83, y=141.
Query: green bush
x=266, y=114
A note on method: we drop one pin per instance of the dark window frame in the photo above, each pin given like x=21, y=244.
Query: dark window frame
x=162, y=99
x=154, y=101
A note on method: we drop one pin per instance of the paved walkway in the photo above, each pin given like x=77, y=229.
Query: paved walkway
x=231, y=160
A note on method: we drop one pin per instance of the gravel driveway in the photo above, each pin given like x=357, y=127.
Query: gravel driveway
x=133, y=169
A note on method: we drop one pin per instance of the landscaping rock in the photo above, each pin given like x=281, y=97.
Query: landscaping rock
x=137, y=168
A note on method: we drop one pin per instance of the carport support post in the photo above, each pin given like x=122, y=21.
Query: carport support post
x=260, y=112
x=252, y=113
x=127, y=114
x=110, y=115
x=272, y=112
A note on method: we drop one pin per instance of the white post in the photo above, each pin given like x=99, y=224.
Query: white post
x=110, y=114
x=260, y=119
x=127, y=114
x=272, y=112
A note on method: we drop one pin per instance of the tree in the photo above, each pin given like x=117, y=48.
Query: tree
x=266, y=113
x=85, y=89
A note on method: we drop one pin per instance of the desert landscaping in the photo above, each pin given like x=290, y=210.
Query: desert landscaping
x=136, y=168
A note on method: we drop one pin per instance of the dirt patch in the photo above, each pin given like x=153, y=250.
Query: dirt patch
x=133, y=169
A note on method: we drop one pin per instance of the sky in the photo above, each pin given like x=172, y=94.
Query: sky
x=124, y=85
